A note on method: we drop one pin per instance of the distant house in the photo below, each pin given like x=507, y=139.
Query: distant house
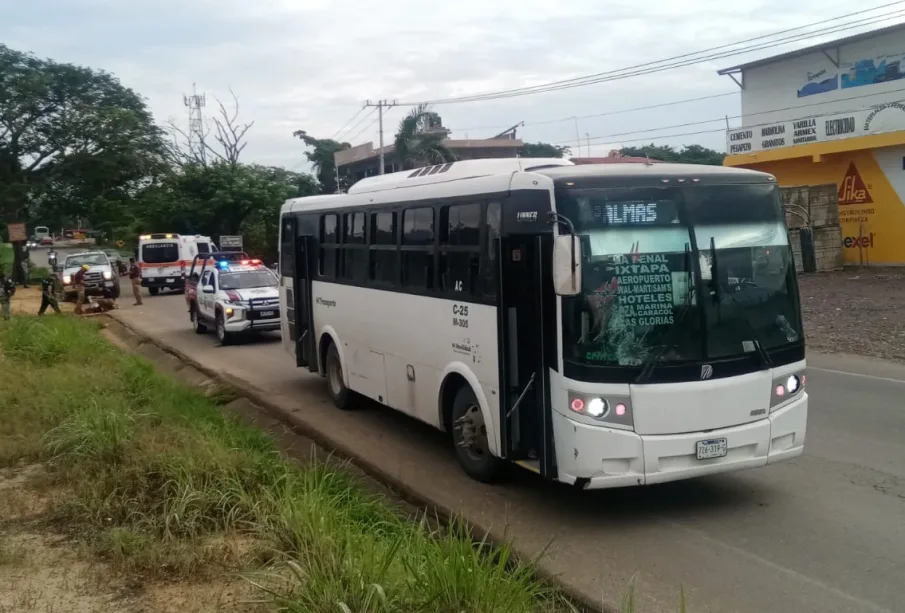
x=614, y=157
x=364, y=160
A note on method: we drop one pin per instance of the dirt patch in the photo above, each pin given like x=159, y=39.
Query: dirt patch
x=43, y=571
x=855, y=311
x=27, y=301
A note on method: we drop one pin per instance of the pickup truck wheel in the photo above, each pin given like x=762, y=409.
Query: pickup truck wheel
x=222, y=335
x=114, y=293
x=153, y=290
x=197, y=324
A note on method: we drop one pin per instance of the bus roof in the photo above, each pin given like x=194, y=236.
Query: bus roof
x=496, y=175
x=591, y=174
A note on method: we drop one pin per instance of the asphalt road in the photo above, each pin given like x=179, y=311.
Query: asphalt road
x=824, y=533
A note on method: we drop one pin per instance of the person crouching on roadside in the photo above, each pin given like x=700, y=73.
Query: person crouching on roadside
x=78, y=281
x=135, y=278
x=49, y=295
x=7, y=289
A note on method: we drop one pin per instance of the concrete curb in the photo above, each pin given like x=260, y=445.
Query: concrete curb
x=399, y=488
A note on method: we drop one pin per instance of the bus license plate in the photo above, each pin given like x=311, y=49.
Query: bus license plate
x=712, y=448
x=267, y=314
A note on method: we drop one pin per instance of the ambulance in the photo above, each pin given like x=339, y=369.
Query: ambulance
x=164, y=259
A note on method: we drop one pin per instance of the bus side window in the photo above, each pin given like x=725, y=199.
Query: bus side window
x=287, y=257
x=460, y=247
x=418, y=248
x=383, y=265
x=489, y=263
x=354, y=261
x=329, y=239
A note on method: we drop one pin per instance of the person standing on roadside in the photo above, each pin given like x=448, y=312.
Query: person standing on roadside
x=7, y=289
x=78, y=282
x=49, y=295
x=135, y=278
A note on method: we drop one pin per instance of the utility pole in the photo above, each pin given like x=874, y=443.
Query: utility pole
x=381, y=105
x=195, y=103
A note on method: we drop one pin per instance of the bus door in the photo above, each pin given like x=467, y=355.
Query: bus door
x=299, y=307
x=525, y=326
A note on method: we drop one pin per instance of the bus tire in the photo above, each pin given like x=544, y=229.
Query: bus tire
x=339, y=393
x=469, y=435
x=153, y=290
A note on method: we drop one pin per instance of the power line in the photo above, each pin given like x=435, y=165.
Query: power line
x=351, y=119
x=364, y=129
x=706, y=121
x=604, y=114
x=380, y=105
x=686, y=59
x=358, y=123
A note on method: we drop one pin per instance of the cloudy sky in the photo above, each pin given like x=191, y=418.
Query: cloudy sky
x=309, y=64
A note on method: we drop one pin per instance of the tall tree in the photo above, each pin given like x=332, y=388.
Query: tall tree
x=70, y=137
x=321, y=157
x=689, y=154
x=543, y=150
x=419, y=139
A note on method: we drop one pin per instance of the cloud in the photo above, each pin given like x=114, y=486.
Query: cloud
x=310, y=64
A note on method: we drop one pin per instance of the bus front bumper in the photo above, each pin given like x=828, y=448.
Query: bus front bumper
x=607, y=457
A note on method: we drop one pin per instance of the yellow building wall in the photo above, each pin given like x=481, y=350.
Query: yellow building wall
x=871, y=185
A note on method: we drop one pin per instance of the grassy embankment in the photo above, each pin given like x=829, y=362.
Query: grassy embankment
x=152, y=480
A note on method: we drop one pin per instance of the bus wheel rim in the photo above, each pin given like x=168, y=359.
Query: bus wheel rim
x=473, y=433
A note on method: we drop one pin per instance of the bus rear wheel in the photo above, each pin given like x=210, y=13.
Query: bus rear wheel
x=469, y=434
x=337, y=389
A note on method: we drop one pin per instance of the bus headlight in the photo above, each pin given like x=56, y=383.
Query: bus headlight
x=785, y=388
x=611, y=410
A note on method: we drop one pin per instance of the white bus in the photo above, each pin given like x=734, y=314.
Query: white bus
x=602, y=325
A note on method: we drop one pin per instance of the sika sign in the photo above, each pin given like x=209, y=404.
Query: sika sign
x=852, y=189
x=887, y=117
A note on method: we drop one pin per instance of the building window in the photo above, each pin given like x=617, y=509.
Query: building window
x=329, y=242
x=417, y=264
x=354, y=247
x=384, y=255
x=460, y=248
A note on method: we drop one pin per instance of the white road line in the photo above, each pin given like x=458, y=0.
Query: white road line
x=856, y=374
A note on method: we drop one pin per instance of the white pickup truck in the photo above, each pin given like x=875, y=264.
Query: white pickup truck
x=235, y=296
x=100, y=279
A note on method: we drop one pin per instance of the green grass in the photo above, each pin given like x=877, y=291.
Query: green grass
x=154, y=478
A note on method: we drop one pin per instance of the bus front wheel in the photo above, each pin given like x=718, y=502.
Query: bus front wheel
x=339, y=393
x=469, y=434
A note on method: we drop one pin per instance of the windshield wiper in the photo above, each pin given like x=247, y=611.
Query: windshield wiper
x=650, y=364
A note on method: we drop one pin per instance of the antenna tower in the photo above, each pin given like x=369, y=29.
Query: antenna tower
x=195, y=103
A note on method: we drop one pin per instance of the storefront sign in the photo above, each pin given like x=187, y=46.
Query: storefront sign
x=764, y=137
x=852, y=189
x=16, y=232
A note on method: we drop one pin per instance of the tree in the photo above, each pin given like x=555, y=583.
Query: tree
x=543, y=150
x=321, y=158
x=689, y=154
x=419, y=139
x=73, y=141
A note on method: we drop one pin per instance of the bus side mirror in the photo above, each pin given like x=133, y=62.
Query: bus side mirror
x=567, y=265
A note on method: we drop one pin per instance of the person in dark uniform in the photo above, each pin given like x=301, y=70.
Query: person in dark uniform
x=135, y=280
x=7, y=289
x=49, y=295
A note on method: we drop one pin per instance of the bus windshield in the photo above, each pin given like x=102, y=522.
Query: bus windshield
x=679, y=275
